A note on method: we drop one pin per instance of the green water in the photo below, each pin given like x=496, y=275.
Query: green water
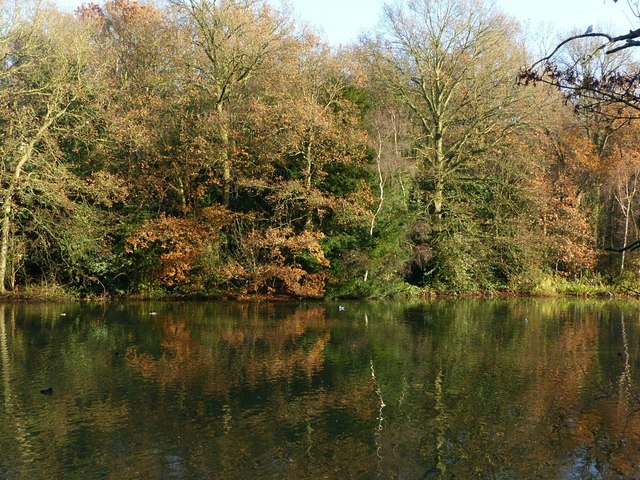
x=517, y=389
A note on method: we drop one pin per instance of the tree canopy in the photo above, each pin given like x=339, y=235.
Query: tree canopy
x=221, y=148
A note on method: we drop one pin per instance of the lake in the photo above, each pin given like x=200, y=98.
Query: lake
x=488, y=389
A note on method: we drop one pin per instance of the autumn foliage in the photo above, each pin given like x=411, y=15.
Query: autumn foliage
x=216, y=148
x=179, y=243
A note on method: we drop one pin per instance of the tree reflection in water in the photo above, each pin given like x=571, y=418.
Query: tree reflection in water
x=445, y=389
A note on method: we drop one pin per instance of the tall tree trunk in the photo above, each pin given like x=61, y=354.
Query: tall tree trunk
x=4, y=242
x=397, y=155
x=380, y=194
x=24, y=155
x=440, y=167
x=308, y=174
x=226, y=155
x=625, y=197
x=226, y=178
x=627, y=217
x=7, y=203
x=438, y=198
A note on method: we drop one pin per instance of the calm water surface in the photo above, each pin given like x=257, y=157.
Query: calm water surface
x=522, y=389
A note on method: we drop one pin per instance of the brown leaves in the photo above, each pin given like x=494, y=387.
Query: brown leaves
x=274, y=261
x=279, y=243
x=565, y=222
x=571, y=236
x=181, y=242
x=125, y=10
x=107, y=189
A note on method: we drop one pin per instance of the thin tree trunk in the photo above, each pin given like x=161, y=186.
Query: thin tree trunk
x=626, y=207
x=439, y=162
x=6, y=211
x=226, y=154
x=397, y=155
x=438, y=199
x=380, y=185
x=26, y=151
x=182, y=196
x=308, y=174
x=627, y=216
x=381, y=194
x=4, y=245
x=226, y=168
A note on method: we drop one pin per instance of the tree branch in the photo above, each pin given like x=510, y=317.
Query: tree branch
x=631, y=247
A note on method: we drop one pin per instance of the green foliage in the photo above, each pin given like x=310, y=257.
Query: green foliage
x=382, y=257
x=627, y=283
x=357, y=288
x=588, y=286
x=360, y=97
x=267, y=164
x=342, y=179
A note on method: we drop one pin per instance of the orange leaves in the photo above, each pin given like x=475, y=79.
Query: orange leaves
x=276, y=280
x=127, y=8
x=570, y=235
x=216, y=217
x=107, y=189
x=115, y=13
x=580, y=154
x=181, y=242
x=622, y=168
x=272, y=262
x=278, y=244
x=279, y=261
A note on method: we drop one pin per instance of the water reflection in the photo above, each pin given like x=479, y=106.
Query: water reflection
x=448, y=389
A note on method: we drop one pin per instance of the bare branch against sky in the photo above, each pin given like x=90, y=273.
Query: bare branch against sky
x=342, y=21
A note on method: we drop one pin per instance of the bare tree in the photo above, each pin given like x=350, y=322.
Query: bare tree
x=617, y=85
x=43, y=77
x=451, y=63
x=232, y=40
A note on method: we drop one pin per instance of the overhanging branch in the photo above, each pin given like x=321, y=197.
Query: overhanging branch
x=630, y=247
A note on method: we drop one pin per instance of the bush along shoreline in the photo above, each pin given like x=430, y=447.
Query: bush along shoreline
x=143, y=157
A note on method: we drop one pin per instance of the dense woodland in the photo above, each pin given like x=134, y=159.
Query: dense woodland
x=219, y=148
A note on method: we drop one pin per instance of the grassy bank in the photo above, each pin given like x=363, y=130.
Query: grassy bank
x=545, y=286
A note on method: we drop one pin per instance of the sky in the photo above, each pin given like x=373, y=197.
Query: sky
x=342, y=21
